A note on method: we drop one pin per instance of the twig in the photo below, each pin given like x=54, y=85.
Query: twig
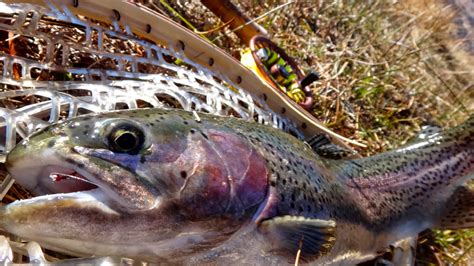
x=298, y=254
x=254, y=20
x=157, y=8
x=191, y=26
x=463, y=254
x=215, y=29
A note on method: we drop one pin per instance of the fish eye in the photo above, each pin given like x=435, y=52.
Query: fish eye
x=126, y=138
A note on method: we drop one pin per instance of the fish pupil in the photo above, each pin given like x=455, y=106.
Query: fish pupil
x=126, y=141
x=126, y=138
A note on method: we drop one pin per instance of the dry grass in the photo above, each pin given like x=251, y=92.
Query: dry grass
x=387, y=67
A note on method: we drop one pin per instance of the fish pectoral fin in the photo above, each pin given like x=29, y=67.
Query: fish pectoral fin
x=290, y=234
x=323, y=146
x=459, y=211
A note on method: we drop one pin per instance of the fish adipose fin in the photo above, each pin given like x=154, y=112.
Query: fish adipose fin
x=323, y=146
x=459, y=212
x=427, y=131
x=289, y=234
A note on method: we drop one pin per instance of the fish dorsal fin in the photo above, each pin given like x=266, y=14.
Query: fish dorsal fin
x=289, y=234
x=459, y=211
x=323, y=146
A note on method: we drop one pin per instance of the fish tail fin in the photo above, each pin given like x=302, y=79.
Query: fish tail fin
x=423, y=184
x=459, y=210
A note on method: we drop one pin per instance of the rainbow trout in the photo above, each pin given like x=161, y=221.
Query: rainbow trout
x=166, y=186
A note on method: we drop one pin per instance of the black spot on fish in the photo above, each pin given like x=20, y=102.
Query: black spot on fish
x=51, y=143
x=192, y=130
x=183, y=174
x=81, y=165
x=185, y=122
x=204, y=135
x=85, y=132
x=69, y=160
x=272, y=183
x=142, y=159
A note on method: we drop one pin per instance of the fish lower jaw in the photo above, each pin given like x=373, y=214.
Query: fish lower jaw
x=82, y=199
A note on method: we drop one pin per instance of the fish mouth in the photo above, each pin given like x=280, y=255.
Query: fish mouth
x=53, y=183
x=44, y=172
x=56, y=173
x=60, y=179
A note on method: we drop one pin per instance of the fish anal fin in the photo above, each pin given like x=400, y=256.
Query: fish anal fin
x=459, y=211
x=323, y=146
x=290, y=234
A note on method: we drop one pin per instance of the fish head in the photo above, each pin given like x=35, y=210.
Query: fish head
x=126, y=183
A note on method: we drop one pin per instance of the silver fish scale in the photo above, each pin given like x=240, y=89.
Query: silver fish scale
x=161, y=76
